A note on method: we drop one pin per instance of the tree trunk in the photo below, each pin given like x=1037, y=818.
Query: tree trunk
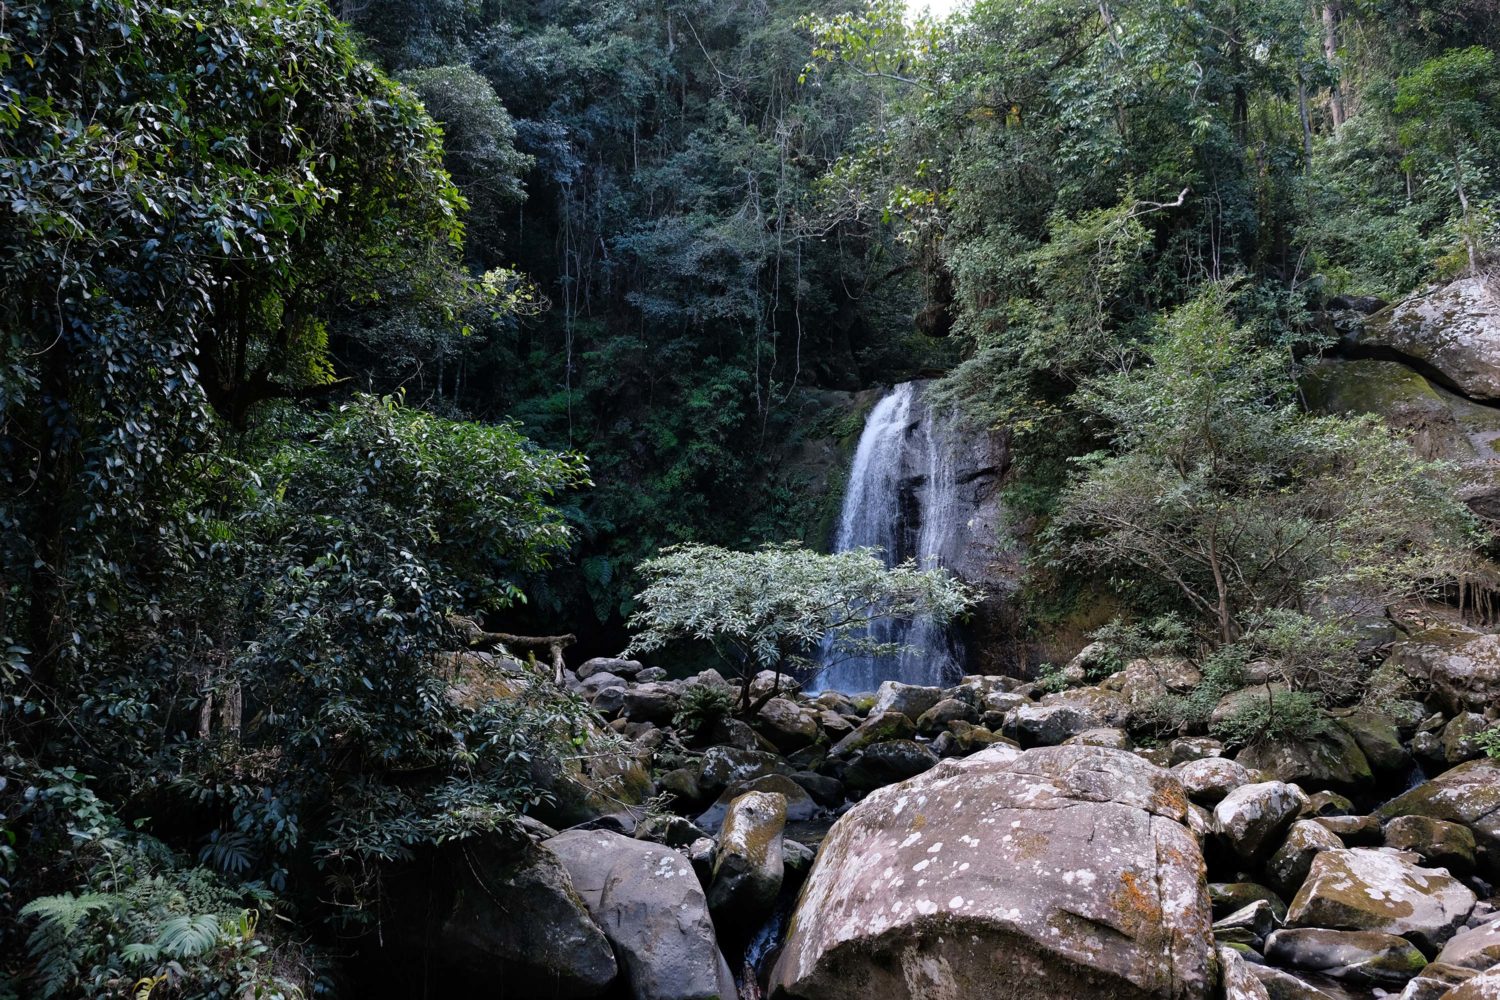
x=1302, y=112
x=1332, y=12
x=1470, y=242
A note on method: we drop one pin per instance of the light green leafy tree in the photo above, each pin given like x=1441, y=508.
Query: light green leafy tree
x=772, y=608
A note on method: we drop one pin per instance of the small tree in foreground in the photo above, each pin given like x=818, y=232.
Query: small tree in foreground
x=772, y=608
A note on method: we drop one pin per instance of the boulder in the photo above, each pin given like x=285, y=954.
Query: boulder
x=1238, y=983
x=725, y=766
x=1453, y=332
x=1434, y=982
x=1326, y=803
x=799, y=804
x=935, y=720
x=1461, y=738
x=1186, y=748
x=1282, y=985
x=996, y=870
x=1248, y=925
x=1367, y=957
x=887, y=763
x=1115, y=739
x=1146, y=680
x=787, y=724
x=825, y=791
x=878, y=727
x=1439, y=843
x=486, y=912
x=1229, y=897
x=1485, y=986
x=1354, y=831
x=1251, y=819
x=1469, y=794
x=1360, y=889
x=749, y=865
x=1379, y=740
x=1290, y=864
x=1476, y=948
x=1109, y=709
x=911, y=700
x=1332, y=759
x=655, y=702
x=651, y=908
x=608, y=665
x=770, y=681
x=1049, y=725
x=1208, y=779
x=1458, y=667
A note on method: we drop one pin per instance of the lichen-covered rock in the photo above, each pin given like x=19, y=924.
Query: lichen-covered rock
x=1459, y=667
x=1368, y=957
x=1468, y=794
x=1209, y=779
x=1379, y=740
x=936, y=719
x=1290, y=864
x=649, y=904
x=1228, y=897
x=1115, y=739
x=1454, y=331
x=1049, y=725
x=1251, y=819
x=1461, y=738
x=1476, y=948
x=799, y=804
x=911, y=700
x=1238, y=982
x=1065, y=866
x=1434, y=982
x=1248, y=925
x=787, y=724
x=725, y=766
x=608, y=665
x=655, y=702
x=878, y=727
x=1360, y=889
x=1439, y=843
x=749, y=865
x=1283, y=985
x=1485, y=986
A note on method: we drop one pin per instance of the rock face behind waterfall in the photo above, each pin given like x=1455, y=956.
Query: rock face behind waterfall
x=1061, y=872
x=923, y=486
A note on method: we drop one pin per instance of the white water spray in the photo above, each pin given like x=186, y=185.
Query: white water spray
x=902, y=498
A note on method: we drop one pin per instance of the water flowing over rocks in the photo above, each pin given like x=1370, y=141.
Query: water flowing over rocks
x=1068, y=865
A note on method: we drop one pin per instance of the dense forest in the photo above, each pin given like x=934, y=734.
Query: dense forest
x=367, y=366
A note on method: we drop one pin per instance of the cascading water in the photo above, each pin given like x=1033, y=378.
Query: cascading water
x=902, y=498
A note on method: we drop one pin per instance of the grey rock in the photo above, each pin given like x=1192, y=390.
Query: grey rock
x=1251, y=819
x=1360, y=889
x=986, y=872
x=1366, y=957
x=749, y=865
x=651, y=907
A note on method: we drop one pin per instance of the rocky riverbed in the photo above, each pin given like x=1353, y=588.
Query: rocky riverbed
x=997, y=840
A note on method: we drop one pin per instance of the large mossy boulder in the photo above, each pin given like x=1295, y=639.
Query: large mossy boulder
x=1065, y=870
x=652, y=909
x=1453, y=332
x=1330, y=759
x=1469, y=794
x=1459, y=667
x=1361, y=889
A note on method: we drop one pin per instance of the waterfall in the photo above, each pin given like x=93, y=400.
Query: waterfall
x=902, y=498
